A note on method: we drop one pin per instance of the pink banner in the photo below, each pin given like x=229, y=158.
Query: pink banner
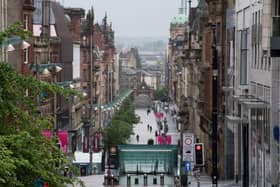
x=161, y=115
x=85, y=144
x=96, y=143
x=63, y=140
x=160, y=140
x=47, y=134
x=168, y=139
x=157, y=115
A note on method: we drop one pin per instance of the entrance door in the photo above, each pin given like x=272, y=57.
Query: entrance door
x=83, y=171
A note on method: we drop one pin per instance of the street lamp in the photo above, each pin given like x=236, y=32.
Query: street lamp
x=25, y=45
x=53, y=69
x=10, y=48
x=214, y=109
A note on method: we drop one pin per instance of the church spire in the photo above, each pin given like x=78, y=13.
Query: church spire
x=181, y=9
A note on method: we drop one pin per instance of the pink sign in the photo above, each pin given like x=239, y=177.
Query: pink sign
x=63, y=140
x=168, y=139
x=157, y=115
x=47, y=134
x=161, y=115
x=160, y=139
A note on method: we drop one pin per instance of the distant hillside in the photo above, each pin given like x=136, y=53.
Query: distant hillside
x=143, y=44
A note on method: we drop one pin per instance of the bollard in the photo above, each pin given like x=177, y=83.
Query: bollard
x=112, y=180
x=136, y=181
x=155, y=181
x=145, y=180
x=106, y=179
x=161, y=179
x=128, y=181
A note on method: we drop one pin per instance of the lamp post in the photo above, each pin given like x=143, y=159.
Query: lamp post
x=54, y=70
x=214, y=109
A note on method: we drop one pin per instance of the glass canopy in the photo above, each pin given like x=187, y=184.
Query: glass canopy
x=138, y=159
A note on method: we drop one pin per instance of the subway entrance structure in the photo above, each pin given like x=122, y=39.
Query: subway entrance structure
x=146, y=165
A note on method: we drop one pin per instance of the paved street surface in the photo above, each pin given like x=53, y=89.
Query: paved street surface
x=142, y=130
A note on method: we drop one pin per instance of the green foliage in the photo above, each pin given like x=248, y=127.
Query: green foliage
x=160, y=93
x=19, y=110
x=117, y=133
x=14, y=30
x=121, y=126
x=30, y=157
x=25, y=154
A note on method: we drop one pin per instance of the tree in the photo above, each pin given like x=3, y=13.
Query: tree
x=161, y=94
x=25, y=154
x=121, y=125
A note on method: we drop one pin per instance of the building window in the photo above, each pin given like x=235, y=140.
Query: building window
x=276, y=18
x=25, y=22
x=243, y=57
x=25, y=56
x=85, y=57
x=218, y=34
x=85, y=75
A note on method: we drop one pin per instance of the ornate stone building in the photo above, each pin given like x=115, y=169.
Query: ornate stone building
x=128, y=69
x=190, y=76
x=17, y=11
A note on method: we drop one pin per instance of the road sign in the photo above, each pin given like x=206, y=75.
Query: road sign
x=188, y=166
x=188, y=145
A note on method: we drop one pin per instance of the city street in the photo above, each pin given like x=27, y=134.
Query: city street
x=149, y=119
x=144, y=135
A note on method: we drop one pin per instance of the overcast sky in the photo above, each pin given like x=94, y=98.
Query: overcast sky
x=133, y=18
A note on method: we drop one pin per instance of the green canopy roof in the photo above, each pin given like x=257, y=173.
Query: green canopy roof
x=180, y=19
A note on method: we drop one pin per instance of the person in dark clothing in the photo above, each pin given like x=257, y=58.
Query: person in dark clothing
x=137, y=138
x=150, y=128
x=156, y=133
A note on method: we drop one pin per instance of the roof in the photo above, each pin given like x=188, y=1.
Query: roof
x=179, y=19
x=129, y=70
x=37, y=15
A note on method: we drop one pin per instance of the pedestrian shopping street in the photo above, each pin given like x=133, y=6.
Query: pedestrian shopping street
x=144, y=135
x=149, y=119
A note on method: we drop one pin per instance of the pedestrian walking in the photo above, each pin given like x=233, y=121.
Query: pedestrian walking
x=137, y=138
x=150, y=128
x=156, y=133
x=148, y=111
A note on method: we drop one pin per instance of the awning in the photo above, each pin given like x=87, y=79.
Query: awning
x=97, y=157
x=251, y=101
x=256, y=104
x=84, y=158
x=117, y=101
x=233, y=119
x=81, y=158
